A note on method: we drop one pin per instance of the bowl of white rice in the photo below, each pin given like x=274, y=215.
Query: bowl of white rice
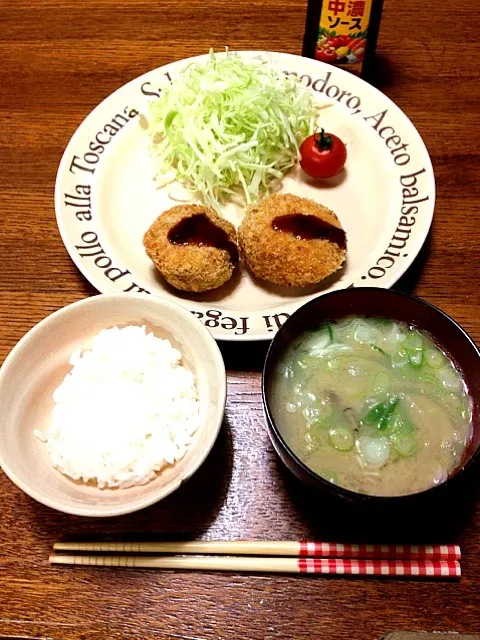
x=109, y=404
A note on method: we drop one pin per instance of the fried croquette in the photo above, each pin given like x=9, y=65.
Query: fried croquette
x=291, y=241
x=192, y=247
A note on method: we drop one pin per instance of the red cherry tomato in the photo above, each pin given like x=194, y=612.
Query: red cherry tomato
x=322, y=155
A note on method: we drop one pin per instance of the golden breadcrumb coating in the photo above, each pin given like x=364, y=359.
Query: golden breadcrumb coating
x=282, y=257
x=190, y=266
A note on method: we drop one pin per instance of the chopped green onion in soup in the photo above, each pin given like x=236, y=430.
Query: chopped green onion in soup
x=342, y=438
x=376, y=399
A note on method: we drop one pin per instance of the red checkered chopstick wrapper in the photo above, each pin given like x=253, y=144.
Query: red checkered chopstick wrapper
x=396, y=568
x=379, y=551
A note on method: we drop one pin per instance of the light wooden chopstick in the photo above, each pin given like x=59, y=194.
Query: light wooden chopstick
x=333, y=566
x=273, y=548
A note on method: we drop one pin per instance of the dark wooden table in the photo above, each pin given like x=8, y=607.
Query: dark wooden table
x=59, y=59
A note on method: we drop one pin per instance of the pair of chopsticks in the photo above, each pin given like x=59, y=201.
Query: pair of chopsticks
x=328, y=558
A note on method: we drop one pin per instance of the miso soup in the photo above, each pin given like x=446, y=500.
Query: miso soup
x=372, y=405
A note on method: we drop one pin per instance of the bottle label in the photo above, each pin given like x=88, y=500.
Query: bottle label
x=343, y=32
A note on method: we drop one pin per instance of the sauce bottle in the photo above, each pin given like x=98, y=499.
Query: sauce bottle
x=343, y=32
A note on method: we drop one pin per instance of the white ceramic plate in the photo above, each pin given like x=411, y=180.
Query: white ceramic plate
x=105, y=198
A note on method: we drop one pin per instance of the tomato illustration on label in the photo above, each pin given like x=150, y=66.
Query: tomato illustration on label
x=342, y=50
x=327, y=54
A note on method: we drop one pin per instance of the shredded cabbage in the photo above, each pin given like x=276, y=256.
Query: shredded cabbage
x=229, y=127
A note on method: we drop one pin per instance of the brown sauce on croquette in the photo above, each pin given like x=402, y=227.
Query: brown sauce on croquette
x=200, y=231
x=308, y=227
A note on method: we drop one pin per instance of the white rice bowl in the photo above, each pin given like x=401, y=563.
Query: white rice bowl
x=127, y=409
x=36, y=368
